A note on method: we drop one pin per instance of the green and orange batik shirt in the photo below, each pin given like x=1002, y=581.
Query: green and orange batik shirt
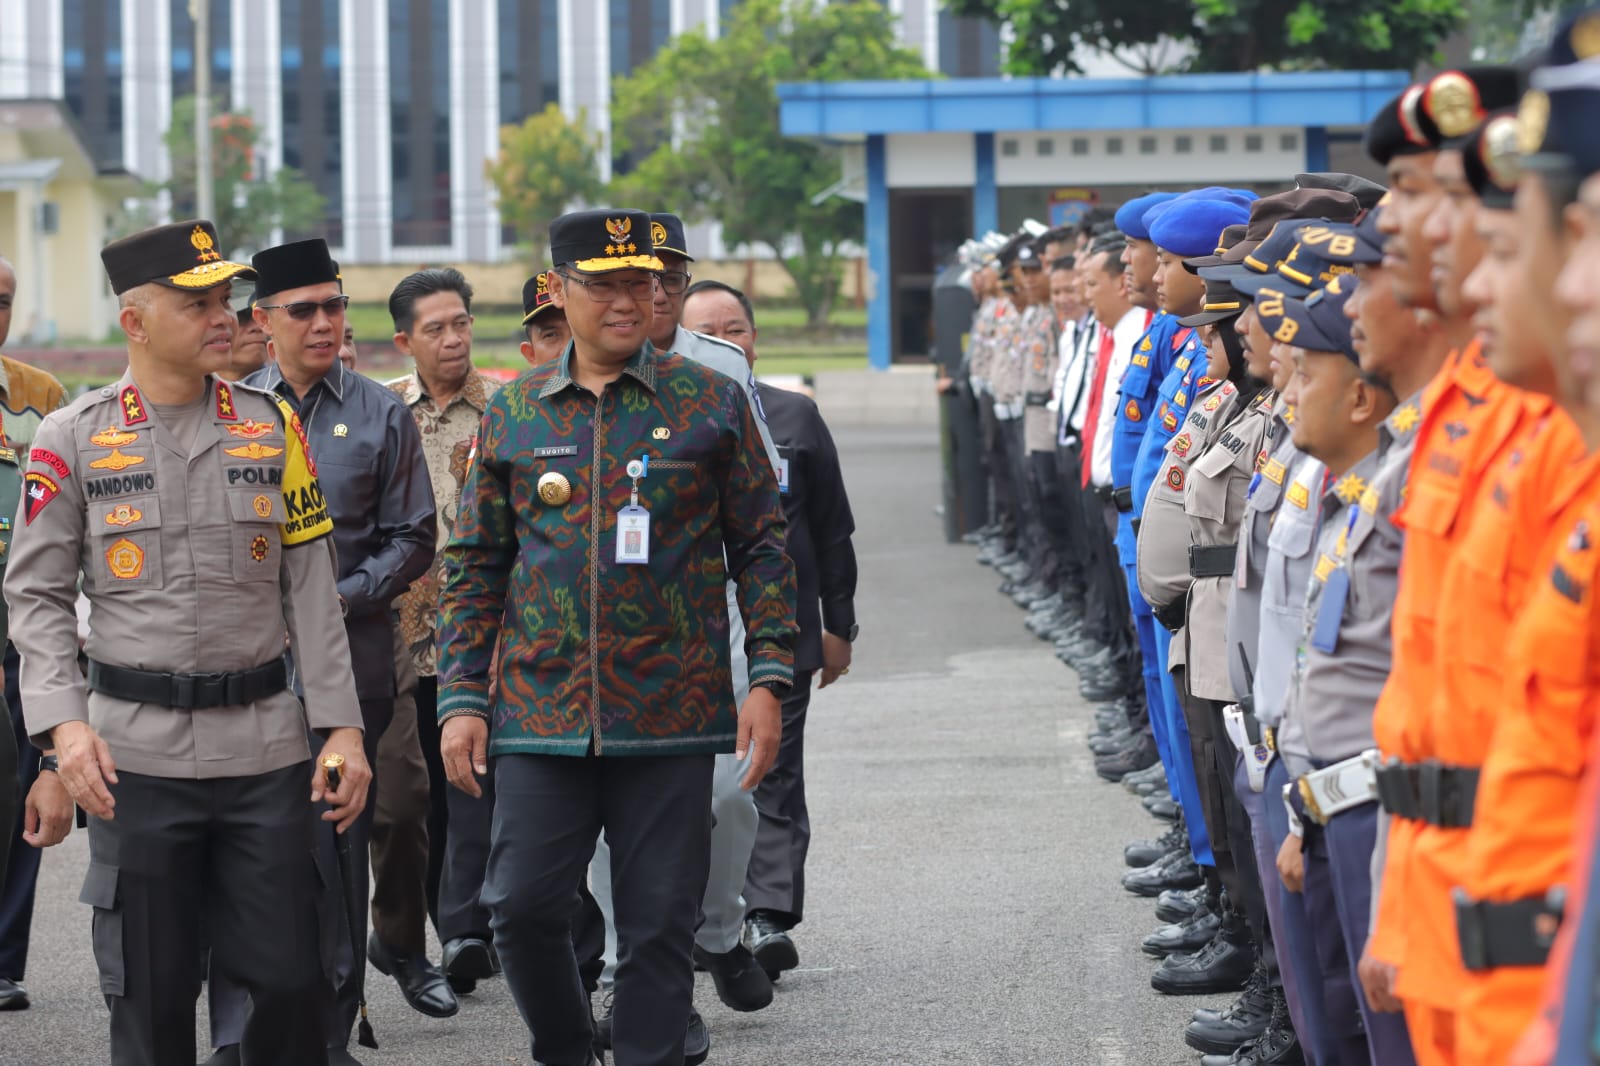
x=589, y=654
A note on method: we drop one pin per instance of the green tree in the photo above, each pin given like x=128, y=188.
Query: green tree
x=703, y=118
x=1222, y=35
x=248, y=207
x=545, y=164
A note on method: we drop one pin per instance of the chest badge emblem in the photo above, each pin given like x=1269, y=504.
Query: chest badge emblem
x=554, y=489
x=661, y=433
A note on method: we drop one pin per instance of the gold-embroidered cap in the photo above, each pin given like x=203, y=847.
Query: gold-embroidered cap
x=599, y=241
x=180, y=255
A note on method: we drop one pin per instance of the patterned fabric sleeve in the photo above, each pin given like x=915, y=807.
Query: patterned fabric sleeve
x=477, y=570
x=753, y=535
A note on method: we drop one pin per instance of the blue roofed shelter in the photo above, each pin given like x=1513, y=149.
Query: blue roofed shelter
x=943, y=160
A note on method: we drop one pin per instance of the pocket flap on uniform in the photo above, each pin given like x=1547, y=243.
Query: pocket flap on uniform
x=125, y=516
x=256, y=506
x=100, y=886
x=1215, y=460
x=1291, y=538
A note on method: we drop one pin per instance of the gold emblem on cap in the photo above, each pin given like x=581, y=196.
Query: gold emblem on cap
x=204, y=245
x=541, y=283
x=658, y=234
x=554, y=489
x=619, y=229
x=1586, y=36
x=1533, y=119
x=661, y=433
x=1500, y=150
x=1452, y=100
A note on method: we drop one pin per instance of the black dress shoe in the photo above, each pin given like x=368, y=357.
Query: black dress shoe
x=1112, y=742
x=1140, y=755
x=1258, y=990
x=1220, y=966
x=12, y=995
x=420, y=981
x=1178, y=871
x=1186, y=936
x=466, y=960
x=741, y=983
x=1176, y=905
x=1142, y=853
x=224, y=1056
x=697, y=1042
x=770, y=943
x=1161, y=807
x=1224, y=1032
x=1156, y=774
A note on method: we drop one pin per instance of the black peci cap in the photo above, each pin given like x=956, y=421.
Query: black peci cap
x=182, y=255
x=536, y=297
x=666, y=234
x=1445, y=108
x=293, y=266
x=602, y=240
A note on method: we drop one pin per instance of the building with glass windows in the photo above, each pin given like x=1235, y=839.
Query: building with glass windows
x=390, y=107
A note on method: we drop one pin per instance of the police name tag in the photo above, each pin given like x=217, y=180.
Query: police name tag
x=633, y=535
x=783, y=475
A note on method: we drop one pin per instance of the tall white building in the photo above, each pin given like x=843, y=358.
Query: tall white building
x=390, y=107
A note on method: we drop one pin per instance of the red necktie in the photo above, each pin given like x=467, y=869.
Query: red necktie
x=1097, y=391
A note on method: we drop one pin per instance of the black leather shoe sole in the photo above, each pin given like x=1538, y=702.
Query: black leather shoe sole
x=775, y=954
x=1219, y=1038
x=472, y=960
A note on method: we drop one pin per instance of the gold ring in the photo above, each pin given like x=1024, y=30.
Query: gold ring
x=846, y=670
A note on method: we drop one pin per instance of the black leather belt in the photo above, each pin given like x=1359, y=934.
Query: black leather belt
x=1518, y=933
x=1430, y=792
x=189, y=692
x=1035, y=399
x=1123, y=498
x=1212, y=560
x=1105, y=493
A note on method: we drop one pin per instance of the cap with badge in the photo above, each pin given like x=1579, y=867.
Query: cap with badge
x=1352, y=243
x=182, y=255
x=1267, y=212
x=536, y=297
x=1492, y=160
x=293, y=266
x=244, y=304
x=1028, y=257
x=1426, y=116
x=1318, y=322
x=603, y=240
x=1222, y=300
x=1130, y=216
x=1303, y=267
x=666, y=235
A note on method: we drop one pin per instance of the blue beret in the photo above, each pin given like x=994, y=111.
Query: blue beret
x=1191, y=227
x=1242, y=197
x=1130, y=216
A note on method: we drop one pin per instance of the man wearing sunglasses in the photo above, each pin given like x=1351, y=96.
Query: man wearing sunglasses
x=369, y=456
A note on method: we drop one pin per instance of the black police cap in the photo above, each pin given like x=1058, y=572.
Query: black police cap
x=1560, y=113
x=666, y=234
x=536, y=296
x=181, y=255
x=293, y=266
x=602, y=240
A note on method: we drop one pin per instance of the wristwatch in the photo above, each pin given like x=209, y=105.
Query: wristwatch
x=849, y=635
x=47, y=763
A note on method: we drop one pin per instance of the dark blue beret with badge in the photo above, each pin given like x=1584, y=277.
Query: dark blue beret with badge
x=1450, y=105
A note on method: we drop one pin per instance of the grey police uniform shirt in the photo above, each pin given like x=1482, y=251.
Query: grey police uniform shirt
x=1214, y=502
x=1285, y=572
x=1005, y=368
x=185, y=570
x=1336, y=693
x=980, y=346
x=729, y=359
x=1162, y=546
x=1038, y=344
x=374, y=475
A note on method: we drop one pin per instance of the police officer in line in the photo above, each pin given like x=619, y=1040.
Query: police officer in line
x=741, y=984
x=190, y=510
x=375, y=479
x=817, y=510
x=545, y=332
x=625, y=474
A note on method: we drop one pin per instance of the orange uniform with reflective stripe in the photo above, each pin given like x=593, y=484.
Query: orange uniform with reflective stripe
x=1470, y=422
x=1521, y=840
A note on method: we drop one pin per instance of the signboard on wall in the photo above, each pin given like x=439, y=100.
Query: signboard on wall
x=1069, y=206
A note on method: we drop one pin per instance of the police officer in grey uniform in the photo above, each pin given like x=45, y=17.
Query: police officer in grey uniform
x=741, y=984
x=191, y=511
x=375, y=477
x=10, y=792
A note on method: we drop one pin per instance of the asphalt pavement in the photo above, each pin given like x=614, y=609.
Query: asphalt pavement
x=963, y=904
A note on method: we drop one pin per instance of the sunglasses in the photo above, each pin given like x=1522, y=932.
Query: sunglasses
x=307, y=310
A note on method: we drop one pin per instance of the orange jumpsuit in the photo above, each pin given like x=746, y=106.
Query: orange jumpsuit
x=1470, y=420
x=1520, y=842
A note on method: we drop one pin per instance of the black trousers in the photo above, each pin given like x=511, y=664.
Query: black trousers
x=465, y=857
x=656, y=814
x=235, y=853
x=1001, y=491
x=18, y=876
x=1031, y=541
x=1062, y=509
x=776, y=881
x=10, y=790
x=337, y=1012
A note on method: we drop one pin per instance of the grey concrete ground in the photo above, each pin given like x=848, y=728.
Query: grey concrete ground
x=964, y=905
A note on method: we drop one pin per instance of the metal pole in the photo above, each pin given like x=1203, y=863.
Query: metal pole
x=200, y=11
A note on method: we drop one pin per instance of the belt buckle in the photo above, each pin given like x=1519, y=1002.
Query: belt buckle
x=195, y=691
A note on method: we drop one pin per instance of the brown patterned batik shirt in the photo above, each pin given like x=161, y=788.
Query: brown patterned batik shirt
x=447, y=438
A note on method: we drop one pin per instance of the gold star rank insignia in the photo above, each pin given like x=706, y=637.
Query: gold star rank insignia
x=1406, y=419
x=1349, y=488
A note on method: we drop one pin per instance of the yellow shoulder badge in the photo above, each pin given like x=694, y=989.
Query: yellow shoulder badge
x=307, y=510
